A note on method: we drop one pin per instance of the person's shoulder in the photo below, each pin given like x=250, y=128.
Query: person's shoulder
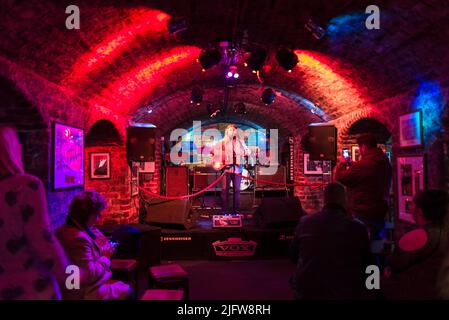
x=413, y=240
x=72, y=234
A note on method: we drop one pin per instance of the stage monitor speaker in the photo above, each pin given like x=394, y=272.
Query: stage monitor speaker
x=176, y=181
x=170, y=213
x=322, y=142
x=140, y=144
x=278, y=212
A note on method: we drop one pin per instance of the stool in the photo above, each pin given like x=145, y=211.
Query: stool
x=158, y=294
x=170, y=276
x=126, y=271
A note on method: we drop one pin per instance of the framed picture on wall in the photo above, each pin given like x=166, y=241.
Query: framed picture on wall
x=411, y=130
x=68, y=156
x=411, y=179
x=316, y=166
x=355, y=153
x=100, y=165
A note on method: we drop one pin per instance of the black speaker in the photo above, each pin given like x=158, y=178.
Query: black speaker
x=169, y=213
x=322, y=142
x=278, y=212
x=140, y=144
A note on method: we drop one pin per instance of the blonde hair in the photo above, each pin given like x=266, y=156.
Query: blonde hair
x=11, y=151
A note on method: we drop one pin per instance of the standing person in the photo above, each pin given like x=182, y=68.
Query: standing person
x=419, y=255
x=31, y=259
x=331, y=251
x=368, y=182
x=89, y=249
x=228, y=154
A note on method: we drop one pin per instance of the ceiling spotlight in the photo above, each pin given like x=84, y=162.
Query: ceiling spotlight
x=232, y=73
x=196, y=96
x=268, y=96
x=176, y=25
x=317, y=31
x=287, y=59
x=212, y=111
x=256, y=59
x=209, y=58
x=240, y=108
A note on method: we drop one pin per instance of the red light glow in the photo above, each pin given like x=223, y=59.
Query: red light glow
x=139, y=82
x=143, y=22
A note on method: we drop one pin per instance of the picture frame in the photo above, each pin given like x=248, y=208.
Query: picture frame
x=67, y=156
x=411, y=178
x=411, y=130
x=100, y=165
x=316, y=166
x=355, y=153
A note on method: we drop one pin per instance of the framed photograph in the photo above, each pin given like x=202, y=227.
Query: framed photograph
x=411, y=179
x=316, y=166
x=410, y=130
x=100, y=165
x=355, y=153
x=68, y=156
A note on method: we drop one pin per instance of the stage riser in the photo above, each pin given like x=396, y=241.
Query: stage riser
x=198, y=245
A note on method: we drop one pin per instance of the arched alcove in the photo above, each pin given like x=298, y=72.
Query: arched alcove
x=103, y=133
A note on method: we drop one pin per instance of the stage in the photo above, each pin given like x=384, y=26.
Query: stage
x=203, y=242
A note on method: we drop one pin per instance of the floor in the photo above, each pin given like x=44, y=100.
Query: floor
x=239, y=279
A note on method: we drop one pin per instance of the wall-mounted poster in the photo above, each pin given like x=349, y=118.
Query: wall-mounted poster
x=411, y=179
x=316, y=166
x=100, y=165
x=410, y=130
x=68, y=156
x=355, y=153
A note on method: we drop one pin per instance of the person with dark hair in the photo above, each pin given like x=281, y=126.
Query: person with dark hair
x=90, y=250
x=414, y=270
x=368, y=182
x=331, y=252
x=32, y=261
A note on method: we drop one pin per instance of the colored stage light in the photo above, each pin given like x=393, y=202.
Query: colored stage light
x=209, y=58
x=287, y=59
x=256, y=59
x=268, y=96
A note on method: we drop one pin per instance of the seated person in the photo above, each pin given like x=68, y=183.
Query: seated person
x=331, y=251
x=418, y=255
x=90, y=250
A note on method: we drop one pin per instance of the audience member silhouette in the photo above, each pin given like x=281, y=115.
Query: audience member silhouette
x=414, y=271
x=331, y=251
x=90, y=250
x=32, y=261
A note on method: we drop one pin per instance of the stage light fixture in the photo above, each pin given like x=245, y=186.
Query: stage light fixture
x=287, y=59
x=232, y=73
x=256, y=59
x=209, y=58
x=268, y=96
x=240, y=108
x=196, y=96
x=176, y=25
x=317, y=31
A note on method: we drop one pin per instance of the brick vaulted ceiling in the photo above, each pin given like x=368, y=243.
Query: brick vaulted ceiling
x=123, y=57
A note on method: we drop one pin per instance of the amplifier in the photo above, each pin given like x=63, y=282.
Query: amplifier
x=202, y=180
x=227, y=221
x=267, y=174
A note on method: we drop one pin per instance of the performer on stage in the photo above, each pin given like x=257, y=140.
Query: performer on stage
x=228, y=154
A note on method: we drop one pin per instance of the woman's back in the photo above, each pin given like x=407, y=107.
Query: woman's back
x=29, y=254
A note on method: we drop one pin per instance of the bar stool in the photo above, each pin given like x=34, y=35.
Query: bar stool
x=160, y=294
x=125, y=270
x=169, y=276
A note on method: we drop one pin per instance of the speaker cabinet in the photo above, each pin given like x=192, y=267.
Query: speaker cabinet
x=322, y=142
x=278, y=212
x=176, y=181
x=141, y=144
x=170, y=213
